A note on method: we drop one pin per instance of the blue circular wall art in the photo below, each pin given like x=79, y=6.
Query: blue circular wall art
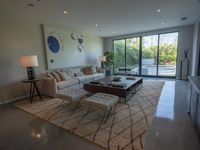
x=53, y=44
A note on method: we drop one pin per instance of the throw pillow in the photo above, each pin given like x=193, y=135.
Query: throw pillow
x=49, y=75
x=87, y=70
x=60, y=74
x=56, y=76
x=65, y=76
x=69, y=72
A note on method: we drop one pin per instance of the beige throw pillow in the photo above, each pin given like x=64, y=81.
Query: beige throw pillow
x=56, y=76
x=64, y=75
x=49, y=75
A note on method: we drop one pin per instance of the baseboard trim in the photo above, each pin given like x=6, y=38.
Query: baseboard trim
x=12, y=100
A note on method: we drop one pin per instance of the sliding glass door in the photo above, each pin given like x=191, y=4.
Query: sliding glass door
x=119, y=55
x=132, y=55
x=167, y=54
x=151, y=55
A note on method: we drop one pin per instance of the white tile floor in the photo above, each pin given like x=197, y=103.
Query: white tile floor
x=172, y=128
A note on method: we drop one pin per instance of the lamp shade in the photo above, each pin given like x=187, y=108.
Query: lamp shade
x=102, y=58
x=29, y=61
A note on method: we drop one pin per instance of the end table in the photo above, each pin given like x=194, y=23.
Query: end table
x=33, y=87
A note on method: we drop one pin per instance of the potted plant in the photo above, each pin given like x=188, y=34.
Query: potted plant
x=109, y=61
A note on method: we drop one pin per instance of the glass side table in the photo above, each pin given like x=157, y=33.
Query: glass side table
x=33, y=87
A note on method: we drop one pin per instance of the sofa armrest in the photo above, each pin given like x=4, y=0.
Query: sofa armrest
x=49, y=86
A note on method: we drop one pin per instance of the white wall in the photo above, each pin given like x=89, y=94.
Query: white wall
x=195, y=50
x=185, y=41
x=23, y=36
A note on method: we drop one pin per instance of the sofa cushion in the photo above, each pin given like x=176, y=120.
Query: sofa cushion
x=67, y=83
x=56, y=76
x=69, y=72
x=49, y=75
x=85, y=78
x=98, y=76
x=63, y=76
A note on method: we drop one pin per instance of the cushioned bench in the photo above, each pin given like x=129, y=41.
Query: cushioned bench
x=74, y=95
x=71, y=94
x=102, y=101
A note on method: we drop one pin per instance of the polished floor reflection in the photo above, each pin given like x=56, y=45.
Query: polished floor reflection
x=21, y=131
x=172, y=128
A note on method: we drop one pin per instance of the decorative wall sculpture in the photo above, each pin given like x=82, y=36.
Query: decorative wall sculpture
x=63, y=48
x=79, y=39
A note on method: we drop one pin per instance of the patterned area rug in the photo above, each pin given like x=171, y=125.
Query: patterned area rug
x=126, y=127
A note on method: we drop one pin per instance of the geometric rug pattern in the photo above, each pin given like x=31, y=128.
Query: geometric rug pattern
x=125, y=129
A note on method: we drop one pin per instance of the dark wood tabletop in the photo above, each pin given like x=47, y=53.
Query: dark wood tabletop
x=107, y=85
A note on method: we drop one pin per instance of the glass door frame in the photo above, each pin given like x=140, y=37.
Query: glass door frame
x=140, y=54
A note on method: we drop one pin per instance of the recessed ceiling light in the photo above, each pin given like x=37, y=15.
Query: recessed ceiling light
x=183, y=18
x=158, y=10
x=162, y=23
x=96, y=25
x=65, y=12
x=30, y=5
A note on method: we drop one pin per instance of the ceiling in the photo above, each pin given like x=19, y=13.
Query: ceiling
x=114, y=17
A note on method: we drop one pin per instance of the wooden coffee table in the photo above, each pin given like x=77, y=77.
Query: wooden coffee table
x=105, y=85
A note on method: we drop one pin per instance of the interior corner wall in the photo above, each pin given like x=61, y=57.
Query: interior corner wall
x=185, y=41
x=23, y=36
x=195, y=50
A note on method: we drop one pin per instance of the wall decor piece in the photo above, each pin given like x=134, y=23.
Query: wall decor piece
x=73, y=36
x=63, y=48
x=54, y=44
x=79, y=39
x=185, y=63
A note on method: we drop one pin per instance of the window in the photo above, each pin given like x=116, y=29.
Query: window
x=151, y=55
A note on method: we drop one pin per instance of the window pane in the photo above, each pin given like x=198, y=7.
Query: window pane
x=149, y=54
x=167, y=54
x=119, y=55
x=132, y=55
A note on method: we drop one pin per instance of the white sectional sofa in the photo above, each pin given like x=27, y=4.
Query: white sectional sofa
x=69, y=77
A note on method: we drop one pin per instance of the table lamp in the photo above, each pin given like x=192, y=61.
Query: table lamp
x=29, y=62
x=102, y=59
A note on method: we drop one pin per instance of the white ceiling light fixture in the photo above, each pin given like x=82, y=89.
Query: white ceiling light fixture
x=162, y=23
x=96, y=25
x=65, y=12
x=158, y=10
x=85, y=21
